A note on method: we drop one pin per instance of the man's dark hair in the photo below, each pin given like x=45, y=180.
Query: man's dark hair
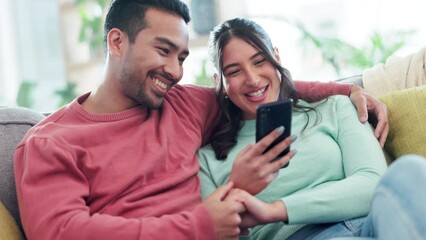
x=129, y=15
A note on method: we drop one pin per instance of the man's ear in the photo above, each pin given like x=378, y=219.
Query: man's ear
x=116, y=41
x=277, y=55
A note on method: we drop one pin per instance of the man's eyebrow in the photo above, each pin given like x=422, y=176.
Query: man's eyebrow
x=171, y=44
x=234, y=64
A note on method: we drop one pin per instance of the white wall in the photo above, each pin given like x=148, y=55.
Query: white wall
x=8, y=61
x=38, y=49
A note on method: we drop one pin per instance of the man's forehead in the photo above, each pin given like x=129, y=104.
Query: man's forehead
x=167, y=27
x=156, y=16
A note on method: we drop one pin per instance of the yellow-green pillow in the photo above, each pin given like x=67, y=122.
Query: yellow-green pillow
x=407, y=121
x=8, y=228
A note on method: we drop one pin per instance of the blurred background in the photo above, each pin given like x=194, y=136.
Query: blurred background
x=52, y=50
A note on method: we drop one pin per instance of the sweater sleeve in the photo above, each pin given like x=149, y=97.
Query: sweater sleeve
x=315, y=91
x=52, y=194
x=198, y=105
x=363, y=165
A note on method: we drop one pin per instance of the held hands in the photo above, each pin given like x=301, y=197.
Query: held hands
x=366, y=103
x=252, y=171
x=224, y=212
x=258, y=212
x=234, y=210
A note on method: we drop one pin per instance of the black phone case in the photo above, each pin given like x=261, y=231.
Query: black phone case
x=272, y=115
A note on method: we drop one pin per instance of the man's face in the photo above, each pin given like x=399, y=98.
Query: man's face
x=153, y=63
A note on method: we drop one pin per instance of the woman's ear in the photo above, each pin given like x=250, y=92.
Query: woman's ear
x=277, y=55
x=116, y=41
x=217, y=83
x=216, y=79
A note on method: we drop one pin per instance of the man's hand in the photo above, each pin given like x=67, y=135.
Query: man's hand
x=225, y=213
x=258, y=212
x=252, y=170
x=366, y=103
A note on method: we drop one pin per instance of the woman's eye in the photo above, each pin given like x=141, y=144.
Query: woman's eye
x=258, y=62
x=232, y=73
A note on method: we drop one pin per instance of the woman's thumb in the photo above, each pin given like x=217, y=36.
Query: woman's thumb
x=223, y=190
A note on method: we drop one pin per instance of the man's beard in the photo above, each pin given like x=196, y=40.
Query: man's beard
x=134, y=88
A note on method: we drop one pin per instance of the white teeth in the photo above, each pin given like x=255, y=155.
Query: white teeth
x=160, y=84
x=257, y=93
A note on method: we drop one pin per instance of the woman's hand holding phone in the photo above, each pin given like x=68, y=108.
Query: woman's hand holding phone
x=254, y=169
x=270, y=116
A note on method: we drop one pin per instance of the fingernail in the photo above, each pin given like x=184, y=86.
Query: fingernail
x=294, y=137
x=280, y=129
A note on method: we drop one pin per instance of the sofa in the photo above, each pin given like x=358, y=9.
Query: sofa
x=15, y=122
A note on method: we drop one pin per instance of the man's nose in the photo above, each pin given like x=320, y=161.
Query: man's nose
x=173, y=68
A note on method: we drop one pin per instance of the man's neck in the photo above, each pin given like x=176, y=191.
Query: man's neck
x=104, y=101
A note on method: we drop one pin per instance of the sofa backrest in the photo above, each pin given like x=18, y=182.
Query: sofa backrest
x=14, y=123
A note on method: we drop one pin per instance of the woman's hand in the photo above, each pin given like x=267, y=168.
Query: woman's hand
x=257, y=212
x=252, y=171
x=366, y=103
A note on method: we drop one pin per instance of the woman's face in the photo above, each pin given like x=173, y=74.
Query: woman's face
x=249, y=79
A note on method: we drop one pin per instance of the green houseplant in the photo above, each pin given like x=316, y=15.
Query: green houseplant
x=92, y=13
x=341, y=54
x=25, y=97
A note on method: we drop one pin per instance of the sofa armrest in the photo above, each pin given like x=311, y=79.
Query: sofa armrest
x=14, y=123
x=356, y=80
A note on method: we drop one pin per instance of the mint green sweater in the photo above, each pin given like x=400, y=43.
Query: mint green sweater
x=331, y=178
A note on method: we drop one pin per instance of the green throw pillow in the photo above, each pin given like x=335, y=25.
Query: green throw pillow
x=407, y=119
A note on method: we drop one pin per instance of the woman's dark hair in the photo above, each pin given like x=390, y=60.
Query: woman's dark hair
x=129, y=15
x=225, y=132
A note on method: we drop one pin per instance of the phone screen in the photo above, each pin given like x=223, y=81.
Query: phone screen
x=271, y=116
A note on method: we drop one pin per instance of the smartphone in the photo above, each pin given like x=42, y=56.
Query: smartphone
x=270, y=116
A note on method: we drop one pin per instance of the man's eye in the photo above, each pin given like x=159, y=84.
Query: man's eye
x=181, y=60
x=164, y=50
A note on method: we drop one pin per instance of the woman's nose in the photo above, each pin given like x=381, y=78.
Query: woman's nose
x=253, y=79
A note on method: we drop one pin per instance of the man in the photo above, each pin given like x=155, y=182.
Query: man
x=120, y=162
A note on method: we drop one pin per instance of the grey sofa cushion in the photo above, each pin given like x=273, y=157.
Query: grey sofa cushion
x=14, y=123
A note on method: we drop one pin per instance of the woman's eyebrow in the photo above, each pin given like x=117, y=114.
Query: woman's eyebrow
x=255, y=55
x=229, y=66
x=235, y=64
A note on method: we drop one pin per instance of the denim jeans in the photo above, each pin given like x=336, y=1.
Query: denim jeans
x=348, y=228
x=398, y=209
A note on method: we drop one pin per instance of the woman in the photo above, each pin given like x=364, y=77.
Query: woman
x=338, y=162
